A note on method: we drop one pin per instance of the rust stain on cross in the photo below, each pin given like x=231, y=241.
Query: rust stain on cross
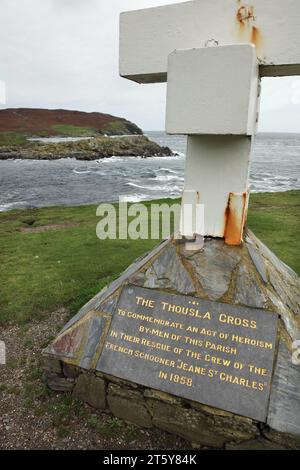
x=247, y=29
x=235, y=218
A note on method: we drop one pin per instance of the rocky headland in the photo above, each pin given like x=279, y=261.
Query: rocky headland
x=104, y=136
x=91, y=149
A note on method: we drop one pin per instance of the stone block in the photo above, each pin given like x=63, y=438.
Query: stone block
x=117, y=380
x=214, y=267
x=186, y=423
x=210, y=410
x=284, y=409
x=258, y=262
x=92, y=390
x=94, y=340
x=52, y=364
x=58, y=382
x=128, y=405
x=255, y=444
x=198, y=427
x=171, y=273
x=288, y=441
x=72, y=372
x=162, y=396
x=247, y=290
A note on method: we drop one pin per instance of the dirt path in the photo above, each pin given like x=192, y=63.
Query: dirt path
x=33, y=417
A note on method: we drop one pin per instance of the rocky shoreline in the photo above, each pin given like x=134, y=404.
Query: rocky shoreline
x=90, y=149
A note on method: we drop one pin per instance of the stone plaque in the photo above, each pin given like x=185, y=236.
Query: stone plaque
x=212, y=353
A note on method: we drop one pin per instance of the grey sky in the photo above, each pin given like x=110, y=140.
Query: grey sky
x=64, y=54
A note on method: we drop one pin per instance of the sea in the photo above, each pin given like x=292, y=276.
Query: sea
x=36, y=183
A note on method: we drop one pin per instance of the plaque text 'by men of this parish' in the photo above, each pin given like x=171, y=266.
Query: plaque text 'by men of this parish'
x=212, y=353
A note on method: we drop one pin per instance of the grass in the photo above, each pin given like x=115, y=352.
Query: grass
x=8, y=139
x=110, y=428
x=64, y=408
x=12, y=390
x=74, y=131
x=120, y=127
x=19, y=139
x=275, y=219
x=43, y=271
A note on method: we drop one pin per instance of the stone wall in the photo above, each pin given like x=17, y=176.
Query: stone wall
x=199, y=424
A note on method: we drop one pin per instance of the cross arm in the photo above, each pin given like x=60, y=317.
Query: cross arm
x=148, y=36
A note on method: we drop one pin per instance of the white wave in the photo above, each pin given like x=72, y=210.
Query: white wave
x=283, y=178
x=158, y=187
x=164, y=189
x=134, y=185
x=165, y=170
x=112, y=159
x=11, y=205
x=168, y=178
x=134, y=197
x=118, y=136
x=81, y=172
x=179, y=156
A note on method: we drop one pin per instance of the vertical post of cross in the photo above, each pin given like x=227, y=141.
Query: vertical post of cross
x=213, y=98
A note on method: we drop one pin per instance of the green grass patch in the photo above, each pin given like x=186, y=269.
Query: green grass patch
x=8, y=139
x=33, y=393
x=112, y=427
x=120, y=127
x=10, y=389
x=43, y=271
x=274, y=218
x=74, y=131
x=63, y=408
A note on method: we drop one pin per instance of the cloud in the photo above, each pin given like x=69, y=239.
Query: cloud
x=64, y=54
x=280, y=105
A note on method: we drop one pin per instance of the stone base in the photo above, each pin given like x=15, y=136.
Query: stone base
x=248, y=275
x=147, y=408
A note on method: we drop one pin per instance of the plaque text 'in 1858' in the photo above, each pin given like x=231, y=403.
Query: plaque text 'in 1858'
x=213, y=353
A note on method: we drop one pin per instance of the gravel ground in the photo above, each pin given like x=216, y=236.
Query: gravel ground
x=33, y=417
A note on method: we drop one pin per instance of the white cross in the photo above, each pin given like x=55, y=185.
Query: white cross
x=212, y=54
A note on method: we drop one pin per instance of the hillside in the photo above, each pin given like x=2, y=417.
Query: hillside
x=60, y=122
x=18, y=125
